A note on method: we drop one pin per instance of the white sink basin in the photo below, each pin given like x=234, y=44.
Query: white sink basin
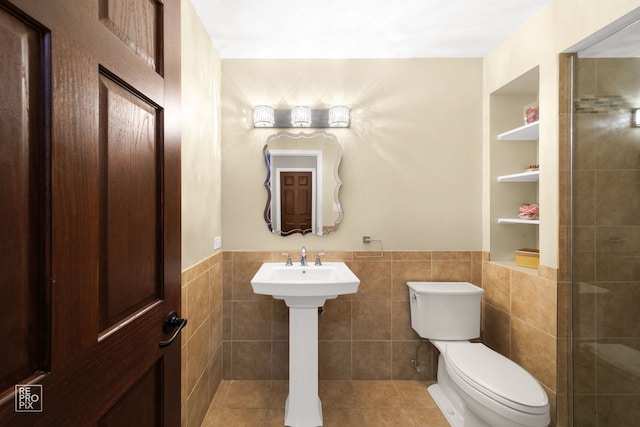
x=327, y=280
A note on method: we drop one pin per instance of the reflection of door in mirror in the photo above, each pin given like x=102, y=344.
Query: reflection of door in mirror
x=317, y=153
x=289, y=164
x=295, y=201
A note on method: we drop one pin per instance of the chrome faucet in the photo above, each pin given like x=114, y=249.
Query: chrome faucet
x=303, y=259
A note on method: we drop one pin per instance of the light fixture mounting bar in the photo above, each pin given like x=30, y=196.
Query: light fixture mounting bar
x=319, y=119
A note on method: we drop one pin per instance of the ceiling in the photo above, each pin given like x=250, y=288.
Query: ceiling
x=362, y=28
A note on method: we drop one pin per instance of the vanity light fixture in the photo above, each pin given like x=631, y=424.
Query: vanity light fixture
x=301, y=116
x=263, y=116
x=635, y=118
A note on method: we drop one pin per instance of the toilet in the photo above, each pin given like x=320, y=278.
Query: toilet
x=476, y=386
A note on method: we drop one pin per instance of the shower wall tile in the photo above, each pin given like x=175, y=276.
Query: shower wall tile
x=616, y=366
x=585, y=76
x=605, y=245
x=617, y=311
x=617, y=410
x=617, y=266
x=584, y=154
x=584, y=409
x=615, y=141
x=584, y=204
x=617, y=75
x=616, y=189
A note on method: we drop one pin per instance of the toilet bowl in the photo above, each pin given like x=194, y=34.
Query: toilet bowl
x=476, y=386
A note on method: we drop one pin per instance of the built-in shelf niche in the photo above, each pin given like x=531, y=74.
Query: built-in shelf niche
x=514, y=147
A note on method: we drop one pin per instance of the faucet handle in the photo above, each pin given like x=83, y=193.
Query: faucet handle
x=288, y=255
x=318, y=262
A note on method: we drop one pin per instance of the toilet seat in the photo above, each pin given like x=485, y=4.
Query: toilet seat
x=495, y=376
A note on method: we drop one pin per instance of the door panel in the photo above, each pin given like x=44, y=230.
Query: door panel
x=138, y=24
x=108, y=271
x=295, y=195
x=130, y=155
x=148, y=412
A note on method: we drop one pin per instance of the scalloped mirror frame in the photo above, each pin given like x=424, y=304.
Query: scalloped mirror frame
x=305, y=151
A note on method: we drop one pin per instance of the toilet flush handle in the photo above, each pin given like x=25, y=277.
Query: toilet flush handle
x=414, y=297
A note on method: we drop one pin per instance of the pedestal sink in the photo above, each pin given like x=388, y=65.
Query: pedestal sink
x=304, y=289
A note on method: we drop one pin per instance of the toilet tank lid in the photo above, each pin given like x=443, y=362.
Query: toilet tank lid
x=445, y=288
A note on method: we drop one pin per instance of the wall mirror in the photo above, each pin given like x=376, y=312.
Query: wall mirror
x=302, y=183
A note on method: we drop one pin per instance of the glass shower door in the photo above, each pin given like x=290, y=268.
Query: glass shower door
x=605, y=236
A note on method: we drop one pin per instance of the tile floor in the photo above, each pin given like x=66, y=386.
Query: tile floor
x=344, y=403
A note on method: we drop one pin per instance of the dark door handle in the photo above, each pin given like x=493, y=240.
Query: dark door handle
x=172, y=321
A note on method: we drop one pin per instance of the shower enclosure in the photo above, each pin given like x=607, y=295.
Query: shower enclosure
x=603, y=233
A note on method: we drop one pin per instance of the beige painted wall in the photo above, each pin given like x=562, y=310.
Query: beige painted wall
x=411, y=167
x=201, y=153
x=561, y=25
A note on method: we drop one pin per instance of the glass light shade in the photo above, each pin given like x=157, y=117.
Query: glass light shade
x=339, y=116
x=263, y=116
x=301, y=117
x=635, y=118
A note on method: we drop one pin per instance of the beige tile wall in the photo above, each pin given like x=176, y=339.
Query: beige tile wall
x=368, y=335
x=202, y=338
x=365, y=336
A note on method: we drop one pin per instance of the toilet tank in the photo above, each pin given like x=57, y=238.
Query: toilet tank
x=445, y=310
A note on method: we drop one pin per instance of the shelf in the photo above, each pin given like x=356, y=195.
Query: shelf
x=528, y=132
x=518, y=221
x=528, y=176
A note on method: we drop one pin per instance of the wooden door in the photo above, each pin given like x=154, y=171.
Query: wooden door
x=90, y=212
x=296, y=190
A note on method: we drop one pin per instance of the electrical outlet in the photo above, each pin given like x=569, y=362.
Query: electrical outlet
x=217, y=242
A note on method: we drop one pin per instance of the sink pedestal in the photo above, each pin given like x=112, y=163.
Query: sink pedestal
x=303, y=408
